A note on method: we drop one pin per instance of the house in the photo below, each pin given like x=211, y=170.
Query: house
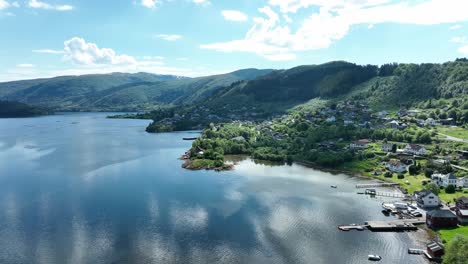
x=462, y=216
x=402, y=112
x=396, y=166
x=397, y=125
x=359, y=144
x=445, y=180
x=331, y=119
x=462, y=182
x=415, y=149
x=430, y=122
x=447, y=122
x=382, y=114
x=388, y=147
x=441, y=219
x=348, y=122
x=435, y=249
x=462, y=154
x=461, y=203
x=426, y=199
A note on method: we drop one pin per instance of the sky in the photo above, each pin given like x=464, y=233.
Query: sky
x=45, y=38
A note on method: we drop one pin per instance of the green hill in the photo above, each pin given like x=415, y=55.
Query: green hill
x=118, y=91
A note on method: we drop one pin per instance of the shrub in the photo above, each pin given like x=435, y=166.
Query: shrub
x=450, y=189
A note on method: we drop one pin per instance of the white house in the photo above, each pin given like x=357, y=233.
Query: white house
x=359, y=144
x=413, y=113
x=396, y=166
x=462, y=182
x=388, y=147
x=426, y=199
x=415, y=149
x=445, y=180
x=331, y=119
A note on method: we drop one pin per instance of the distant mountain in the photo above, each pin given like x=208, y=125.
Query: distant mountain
x=118, y=91
x=15, y=109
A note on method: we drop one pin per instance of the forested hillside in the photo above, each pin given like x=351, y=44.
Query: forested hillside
x=15, y=109
x=118, y=91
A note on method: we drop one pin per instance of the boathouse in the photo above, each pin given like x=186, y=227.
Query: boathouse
x=435, y=249
x=462, y=203
x=441, y=218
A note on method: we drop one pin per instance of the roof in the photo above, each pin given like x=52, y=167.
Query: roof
x=388, y=145
x=463, y=212
x=463, y=199
x=415, y=146
x=361, y=142
x=435, y=246
x=395, y=163
x=423, y=193
x=451, y=176
x=444, y=213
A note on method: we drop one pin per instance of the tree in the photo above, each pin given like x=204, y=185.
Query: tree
x=457, y=250
x=434, y=188
x=450, y=188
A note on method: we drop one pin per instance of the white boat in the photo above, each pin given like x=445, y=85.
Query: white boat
x=374, y=257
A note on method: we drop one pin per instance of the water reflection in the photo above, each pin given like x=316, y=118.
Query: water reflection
x=83, y=189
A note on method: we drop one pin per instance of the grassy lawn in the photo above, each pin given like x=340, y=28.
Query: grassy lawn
x=448, y=234
x=457, y=132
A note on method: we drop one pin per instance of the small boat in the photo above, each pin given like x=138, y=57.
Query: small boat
x=189, y=138
x=374, y=257
x=334, y=186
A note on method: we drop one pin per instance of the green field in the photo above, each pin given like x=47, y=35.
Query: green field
x=458, y=132
x=448, y=234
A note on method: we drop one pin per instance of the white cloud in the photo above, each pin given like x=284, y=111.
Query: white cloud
x=49, y=51
x=169, y=37
x=459, y=40
x=15, y=4
x=287, y=18
x=271, y=38
x=202, y=2
x=150, y=3
x=455, y=27
x=370, y=26
x=25, y=65
x=234, y=15
x=79, y=51
x=463, y=50
x=44, y=5
x=4, y=4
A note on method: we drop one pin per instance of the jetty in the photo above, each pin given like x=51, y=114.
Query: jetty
x=377, y=184
x=384, y=226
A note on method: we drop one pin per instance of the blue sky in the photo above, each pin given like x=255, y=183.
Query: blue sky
x=44, y=38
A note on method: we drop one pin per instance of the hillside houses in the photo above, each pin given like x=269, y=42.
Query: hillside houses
x=397, y=124
x=415, y=149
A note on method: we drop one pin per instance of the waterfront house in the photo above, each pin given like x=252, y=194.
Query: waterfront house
x=359, y=144
x=441, y=219
x=426, y=199
x=388, y=147
x=461, y=203
x=435, y=249
x=445, y=180
x=415, y=149
x=462, y=216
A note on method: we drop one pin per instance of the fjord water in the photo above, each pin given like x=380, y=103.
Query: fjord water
x=80, y=188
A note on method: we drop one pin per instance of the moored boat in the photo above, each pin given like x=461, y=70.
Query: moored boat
x=374, y=257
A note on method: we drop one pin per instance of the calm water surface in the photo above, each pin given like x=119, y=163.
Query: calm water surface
x=79, y=188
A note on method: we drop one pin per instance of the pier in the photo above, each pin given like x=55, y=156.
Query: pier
x=377, y=184
x=384, y=194
x=384, y=226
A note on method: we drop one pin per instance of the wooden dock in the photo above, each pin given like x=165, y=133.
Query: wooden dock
x=377, y=184
x=384, y=194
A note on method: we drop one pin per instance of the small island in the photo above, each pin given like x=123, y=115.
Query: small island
x=9, y=109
